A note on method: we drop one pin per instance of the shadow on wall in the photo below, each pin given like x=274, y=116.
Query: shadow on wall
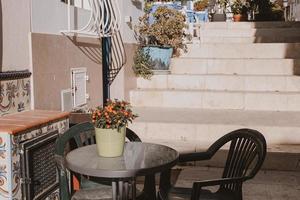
x=93, y=51
x=1, y=38
x=89, y=48
x=118, y=56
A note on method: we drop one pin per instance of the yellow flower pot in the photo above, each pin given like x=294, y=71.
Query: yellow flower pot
x=110, y=142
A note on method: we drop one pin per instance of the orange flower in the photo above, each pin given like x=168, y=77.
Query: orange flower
x=113, y=115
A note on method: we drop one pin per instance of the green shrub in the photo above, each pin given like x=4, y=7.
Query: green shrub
x=166, y=30
x=142, y=64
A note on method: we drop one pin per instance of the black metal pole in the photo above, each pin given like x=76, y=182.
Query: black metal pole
x=106, y=60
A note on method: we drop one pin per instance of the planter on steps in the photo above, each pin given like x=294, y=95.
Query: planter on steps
x=239, y=18
x=160, y=56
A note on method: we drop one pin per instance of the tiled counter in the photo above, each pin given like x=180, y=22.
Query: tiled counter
x=16, y=129
x=15, y=91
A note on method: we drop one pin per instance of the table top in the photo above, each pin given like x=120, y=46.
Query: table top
x=138, y=159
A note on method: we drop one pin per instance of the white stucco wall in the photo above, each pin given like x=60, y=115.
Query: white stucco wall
x=15, y=30
x=51, y=16
x=134, y=9
x=19, y=18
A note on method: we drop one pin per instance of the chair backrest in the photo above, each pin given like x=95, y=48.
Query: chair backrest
x=246, y=155
x=132, y=136
x=77, y=136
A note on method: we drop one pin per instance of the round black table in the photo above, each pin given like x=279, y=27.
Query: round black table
x=139, y=159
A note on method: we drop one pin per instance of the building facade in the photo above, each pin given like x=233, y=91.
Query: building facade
x=32, y=40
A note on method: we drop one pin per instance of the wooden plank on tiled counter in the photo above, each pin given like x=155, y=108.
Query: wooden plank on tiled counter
x=19, y=122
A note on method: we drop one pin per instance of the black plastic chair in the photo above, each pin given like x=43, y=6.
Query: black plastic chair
x=78, y=136
x=246, y=155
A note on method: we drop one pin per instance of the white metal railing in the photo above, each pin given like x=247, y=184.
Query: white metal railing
x=104, y=19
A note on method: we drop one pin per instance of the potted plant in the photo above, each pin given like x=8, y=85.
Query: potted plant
x=201, y=10
x=110, y=124
x=201, y=5
x=220, y=10
x=239, y=9
x=160, y=35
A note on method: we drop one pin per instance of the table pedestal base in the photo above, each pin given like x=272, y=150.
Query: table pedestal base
x=121, y=190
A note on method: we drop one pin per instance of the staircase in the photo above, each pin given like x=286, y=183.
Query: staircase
x=239, y=75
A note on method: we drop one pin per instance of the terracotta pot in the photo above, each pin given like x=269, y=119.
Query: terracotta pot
x=239, y=18
x=110, y=142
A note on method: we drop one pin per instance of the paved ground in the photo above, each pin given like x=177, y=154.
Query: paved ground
x=267, y=185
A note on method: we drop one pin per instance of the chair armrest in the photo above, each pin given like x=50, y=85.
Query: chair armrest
x=200, y=184
x=197, y=185
x=197, y=156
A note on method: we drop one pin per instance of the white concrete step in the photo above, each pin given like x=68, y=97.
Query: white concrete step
x=256, y=50
x=256, y=39
x=222, y=82
x=253, y=32
x=235, y=66
x=249, y=25
x=195, y=129
x=237, y=100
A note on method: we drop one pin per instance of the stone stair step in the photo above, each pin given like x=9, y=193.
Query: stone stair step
x=256, y=50
x=190, y=130
x=263, y=32
x=205, y=99
x=235, y=66
x=256, y=39
x=249, y=25
x=222, y=82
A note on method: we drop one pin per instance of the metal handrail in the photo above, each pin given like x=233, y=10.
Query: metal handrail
x=99, y=24
x=104, y=23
